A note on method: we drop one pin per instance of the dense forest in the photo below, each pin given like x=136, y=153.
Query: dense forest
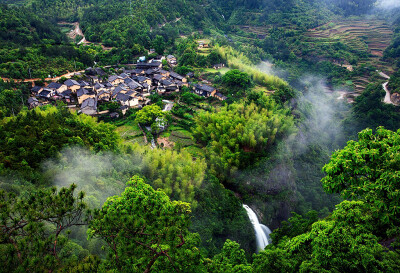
x=300, y=132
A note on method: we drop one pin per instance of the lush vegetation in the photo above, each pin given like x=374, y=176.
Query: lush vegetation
x=33, y=136
x=238, y=133
x=190, y=170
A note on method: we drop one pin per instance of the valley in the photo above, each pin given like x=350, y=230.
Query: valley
x=199, y=136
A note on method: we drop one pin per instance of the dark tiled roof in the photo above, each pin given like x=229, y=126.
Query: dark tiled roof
x=81, y=91
x=142, y=79
x=83, y=83
x=113, y=78
x=158, y=77
x=100, y=71
x=54, y=85
x=175, y=75
x=98, y=86
x=45, y=93
x=89, y=102
x=70, y=82
x=32, y=100
x=148, y=65
x=166, y=82
x=204, y=87
x=122, y=97
x=36, y=88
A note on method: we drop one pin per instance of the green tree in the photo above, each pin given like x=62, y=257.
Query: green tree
x=368, y=169
x=33, y=228
x=159, y=44
x=149, y=114
x=145, y=231
x=231, y=259
x=236, y=78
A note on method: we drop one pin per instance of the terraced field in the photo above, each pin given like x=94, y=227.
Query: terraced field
x=371, y=37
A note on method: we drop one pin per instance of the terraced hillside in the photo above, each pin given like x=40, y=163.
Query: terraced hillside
x=366, y=38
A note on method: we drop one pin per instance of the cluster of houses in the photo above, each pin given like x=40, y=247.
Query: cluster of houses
x=131, y=88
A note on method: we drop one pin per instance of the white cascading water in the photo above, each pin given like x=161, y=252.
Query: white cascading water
x=262, y=231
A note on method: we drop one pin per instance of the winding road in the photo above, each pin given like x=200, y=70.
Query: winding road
x=387, y=99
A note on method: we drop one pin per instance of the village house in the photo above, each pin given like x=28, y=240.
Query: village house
x=171, y=60
x=85, y=84
x=84, y=94
x=204, y=90
x=146, y=66
x=58, y=88
x=89, y=106
x=115, y=80
x=103, y=95
x=33, y=102
x=220, y=96
x=127, y=100
x=178, y=77
x=46, y=93
x=72, y=85
x=36, y=89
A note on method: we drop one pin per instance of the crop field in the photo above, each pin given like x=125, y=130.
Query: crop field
x=371, y=37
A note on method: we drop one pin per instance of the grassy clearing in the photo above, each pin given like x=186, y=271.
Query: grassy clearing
x=222, y=70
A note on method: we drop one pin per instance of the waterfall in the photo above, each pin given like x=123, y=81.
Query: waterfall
x=262, y=231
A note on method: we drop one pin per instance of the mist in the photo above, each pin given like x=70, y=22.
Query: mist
x=388, y=4
x=293, y=168
x=99, y=175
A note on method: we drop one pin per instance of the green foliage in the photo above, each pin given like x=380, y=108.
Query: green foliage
x=175, y=173
x=296, y=225
x=32, y=136
x=235, y=78
x=370, y=111
x=239, y=61
x=219, y=216
x=394, y=83
x=238, y=133
x=149, y=114
x=231, y=259
x=159, y=44
x=32, y=47
x=146, y=231
x=342, y=243
x=368, y=170
x=34, y=226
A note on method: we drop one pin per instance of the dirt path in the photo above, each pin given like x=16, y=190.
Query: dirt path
x=67, y=75
x=387, y=99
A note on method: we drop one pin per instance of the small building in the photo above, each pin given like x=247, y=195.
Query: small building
x=218, y=66
x=72, y=85
x=46, y=93
x=84, y=94
x=115, y=80
x=204, y=90
x=58, y=88
x=89, y=106
x=178, y=77
x=127, y=100
x=220, y=96
x=146, y=66
x=104, y=95
x=33, y=102
x=85, y=84
x=171, y=60
x=36, y=89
